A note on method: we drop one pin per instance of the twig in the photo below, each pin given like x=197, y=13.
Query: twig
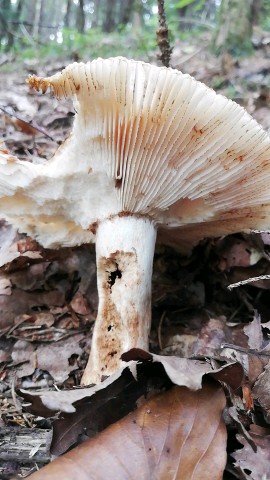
x=14, y=327
x=163, y=36
x=14, y=396
x=247, y=351
x=28, y=125
x=247, y=281
x=159, y=330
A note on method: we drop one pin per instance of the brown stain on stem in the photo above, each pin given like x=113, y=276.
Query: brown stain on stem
x=110, y=342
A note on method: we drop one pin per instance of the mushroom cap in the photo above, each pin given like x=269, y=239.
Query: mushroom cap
x=147, y=141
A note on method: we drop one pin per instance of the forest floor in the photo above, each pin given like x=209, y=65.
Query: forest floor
x=48, y=299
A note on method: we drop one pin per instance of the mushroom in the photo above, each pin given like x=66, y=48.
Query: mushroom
x=151, y=150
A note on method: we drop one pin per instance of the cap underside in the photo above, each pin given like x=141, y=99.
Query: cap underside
x=146, y=140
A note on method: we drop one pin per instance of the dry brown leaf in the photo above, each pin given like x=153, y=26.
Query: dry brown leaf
x=189, y=372
x=55, y=357
x=236, y=252
x=180, y=371
x=52, y=357
x=254, y=463
x=255, y=358
x=23, y=356
x=5, y=286
x=211, y=336
x=176, y=435
x=254, y=333
x=79, y=304
x=63, y=400
x=261, y=391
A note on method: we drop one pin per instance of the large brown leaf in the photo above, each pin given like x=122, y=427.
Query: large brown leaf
x=177, y=435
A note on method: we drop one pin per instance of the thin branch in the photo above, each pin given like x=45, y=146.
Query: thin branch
x=163, y=36
x=247, y=351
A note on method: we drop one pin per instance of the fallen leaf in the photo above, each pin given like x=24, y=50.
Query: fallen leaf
x=23, y=355
x=211, y=336
x=52, y=357
x=87, y=411
x=255, y=358
x=180, y=371
x=5, y=286
x=189, y=372
x=55, y=356
x=254, y=463
x=254, y=333
x=80, y=305
x=237, y=252
x=80, y=408
x=177, y=435
x=261, y=391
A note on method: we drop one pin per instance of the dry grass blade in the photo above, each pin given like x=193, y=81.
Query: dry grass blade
x=177, y=435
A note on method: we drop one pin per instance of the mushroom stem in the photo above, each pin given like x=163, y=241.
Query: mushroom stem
x=124, y=252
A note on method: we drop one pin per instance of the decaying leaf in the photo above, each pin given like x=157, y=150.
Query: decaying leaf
x=95, y=408
x=189, y=372
x=235, y=251
x=254, y=463
x=5, y=286
x=261, y=391
x=177, y=435
x=255, y=358
x=53, y=358
x=254, y=333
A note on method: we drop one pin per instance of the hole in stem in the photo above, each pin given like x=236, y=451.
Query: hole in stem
x=113, y=353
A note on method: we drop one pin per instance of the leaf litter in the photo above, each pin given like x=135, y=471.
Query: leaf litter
x=157, y=444
x=202, y=334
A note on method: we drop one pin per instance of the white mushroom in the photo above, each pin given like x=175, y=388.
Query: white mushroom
x=151, y=149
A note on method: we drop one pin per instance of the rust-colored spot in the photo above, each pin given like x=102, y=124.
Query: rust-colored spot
x=124, y=214
x=78, y=87
x=118, y=182
x=93, y=228
x=198, y=130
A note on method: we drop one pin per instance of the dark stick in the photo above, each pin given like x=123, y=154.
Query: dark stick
x=163, y=36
